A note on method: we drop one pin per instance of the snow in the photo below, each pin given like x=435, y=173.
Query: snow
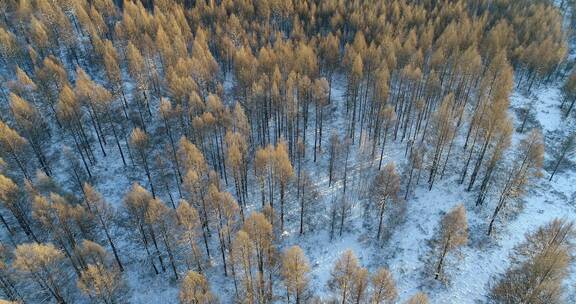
x=405, y=253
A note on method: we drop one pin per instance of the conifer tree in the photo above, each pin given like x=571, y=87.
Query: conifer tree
x=33, y=127
x=13, y=146
x=525, y=167
x=418, y=298
x=99, y=280
x=453, y=234
x=195, y=290
x=283, y=171
x=189, y=220
x=42, y=263
x=343, y=274
x=569, y=92
x=141, y=143
x=386, y=185
x=539, y=266
x=13, y=200
x=567, y=148
x=295, y=271
x=136, y=203
x=105, y=217
x=260, y=233
x=383, y=287
x=7, y=277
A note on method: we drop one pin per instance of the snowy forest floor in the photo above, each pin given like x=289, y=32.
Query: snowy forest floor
x=405, y=252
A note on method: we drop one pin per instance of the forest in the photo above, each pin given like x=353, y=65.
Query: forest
x=287, y=151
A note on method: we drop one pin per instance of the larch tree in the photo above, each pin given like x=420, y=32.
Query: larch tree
x=310, y=195
x=386, y=187
x=444, y=128
x=383, y=287
x=13, y=200
x=539, y=266
x=283, y=171
x=32, y=125
x=343, y=274
x=262, y=171
x=320, y=92
x=453, y=235
x=7, y=277
x=162, y=221
x=360, y=284
x=140, y=142
x=295, y=273
x=566, y=149
x=70, y=114
x=260, y=233
x=66, y=224
x=51, y=78
x=100, y=279
x=138, y=72
x=244, y=260
x=136, y=203
x=14, y=147
x=191, y=226
x=418, y=298
x=334, y=151
x=569, y=92
x=195, y=290
x=525, y=167
x=105, y=217
x=99, y=282
x=42, y=263
x=388, y=116
x=87, y=93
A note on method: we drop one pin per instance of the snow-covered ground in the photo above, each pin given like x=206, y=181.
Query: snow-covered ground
x=406, y=251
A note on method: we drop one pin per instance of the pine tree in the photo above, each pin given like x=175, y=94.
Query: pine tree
x=453, y=234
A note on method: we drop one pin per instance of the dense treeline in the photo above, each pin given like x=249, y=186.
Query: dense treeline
x=213, y=111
